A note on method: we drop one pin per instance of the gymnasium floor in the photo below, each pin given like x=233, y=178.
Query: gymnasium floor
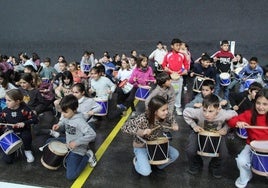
x=115, y=168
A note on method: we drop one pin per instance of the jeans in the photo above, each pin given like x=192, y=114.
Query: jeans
x=75, y=164
x=243, y=162
x=178, y=85
x=218, y=87
x=142, y=165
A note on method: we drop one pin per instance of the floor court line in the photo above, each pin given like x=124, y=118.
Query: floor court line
x=79, y=182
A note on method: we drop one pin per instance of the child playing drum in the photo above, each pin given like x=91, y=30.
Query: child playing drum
x=209, y=117
x=78, y=135
x=148, y=127
x=256, y=117
x=21, y=117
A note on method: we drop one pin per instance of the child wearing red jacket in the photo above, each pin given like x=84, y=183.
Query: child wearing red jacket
x=258, y=116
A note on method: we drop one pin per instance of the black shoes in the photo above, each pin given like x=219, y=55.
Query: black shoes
x=216, y=173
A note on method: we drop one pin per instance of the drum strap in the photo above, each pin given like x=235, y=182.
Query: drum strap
x=141, y=139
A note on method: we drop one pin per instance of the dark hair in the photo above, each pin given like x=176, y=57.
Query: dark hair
x=174, y=41
x=255, y=86
x=35, y=56
x=81, y=88
x=30, y=68
x=154, y=104
x=27, y=77
x=208, y=82
x=69, y=102
x=261, y=93
x=224, y=42
x=161, y=78
x=15, y=94
x=206, y=57
x=98, y=68
x=68, y=75
x=211, y=100
x=5, y=80
x=140, y=59
x=47, y=59
x=254, y=59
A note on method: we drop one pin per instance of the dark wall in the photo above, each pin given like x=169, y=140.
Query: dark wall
x=60, y=27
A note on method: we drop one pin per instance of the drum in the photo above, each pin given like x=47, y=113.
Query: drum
x=247, y=83
x=225, y=79
x=10, y=142
x=157, y=151
x=45, y=80
x=259, y=161
x=208, y=144
x=3, y=103
x=87, y=68
x=142, y=92
x=104, y=105
x=53, y=155
x=237, y=70
x=125, y=86
x=198, y=81
x=242, y=133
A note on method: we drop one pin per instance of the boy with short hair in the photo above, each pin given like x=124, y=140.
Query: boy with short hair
x=47, y=71
x=207, y=89
x=198, y=118
x=222, y=59
x=78, y=135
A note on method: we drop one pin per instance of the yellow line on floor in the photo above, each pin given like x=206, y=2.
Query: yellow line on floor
x=79, y=182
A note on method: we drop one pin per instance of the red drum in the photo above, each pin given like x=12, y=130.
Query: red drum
x=259, y=162
x=208, y=144
x=125, y=86
x=157, y=151
x=104, y=104
x=225, y=79
x=142, y=92
x=242, y=133
x=10, y=142
x=54, y=154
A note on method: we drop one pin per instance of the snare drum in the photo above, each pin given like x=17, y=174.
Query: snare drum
x=198, y=82
x=242, y=133
x=208, y=144
x=157, y=151
x=125, y=86
x=45, y=80
x=259, y=162
x=87, y=68
x=225, y=79
x=10, y=142
x=104, y=105
x=247, y=83
x=54, y=154
x=142, y=92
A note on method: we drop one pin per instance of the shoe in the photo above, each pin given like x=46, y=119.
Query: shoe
x=134, y=161
x=92, y=158
x=133, y=114
x=238, y=183
x=55, y=134
x=122, y=107
x=179, y=111
x=158, y=172
x=216, y=173
x=29, y=156
x=168, y=135
x=193, y=171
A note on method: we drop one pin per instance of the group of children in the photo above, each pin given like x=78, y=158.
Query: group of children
x=70, y=93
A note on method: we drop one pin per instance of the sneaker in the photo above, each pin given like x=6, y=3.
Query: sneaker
x=122, y=107
x=241, y=185
x=179, y=111
x=216, y=173
x=55, y=134
x=29, y=156
x=92, y=158
x=134, y=161
x=193, y=171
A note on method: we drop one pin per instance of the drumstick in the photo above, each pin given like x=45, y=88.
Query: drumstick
x=7, y=124
x=255, y=127
x=167, y=127
x=242, y=101
x=153, y=129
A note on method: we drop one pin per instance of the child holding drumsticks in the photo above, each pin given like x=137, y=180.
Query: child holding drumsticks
x=147, y=127
x=258, y=116
x=19, y=114
x=212, y=118
x=78, y=135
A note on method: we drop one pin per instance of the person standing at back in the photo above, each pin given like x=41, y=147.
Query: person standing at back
x=222, y=60
x=176, y=63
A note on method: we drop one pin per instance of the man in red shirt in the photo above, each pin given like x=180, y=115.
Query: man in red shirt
x=176, y=64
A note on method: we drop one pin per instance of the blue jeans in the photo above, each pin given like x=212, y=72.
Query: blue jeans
x=218, y=87
x=142, y=165
x=75, y=164
x=243, y=162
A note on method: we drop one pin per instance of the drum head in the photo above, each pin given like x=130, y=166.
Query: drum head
x=58, y=148
x=259, y=145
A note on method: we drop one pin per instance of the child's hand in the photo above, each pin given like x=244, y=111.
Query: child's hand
x=72, y=145
x=20, y=125
x=222, y=131
x=198, y=105
x=90, y=113
x=241, y=124
x=175, y=127
x=235, y=107
x=198, y=129
x=223, y=102
x=55, y=127
x=147, y=132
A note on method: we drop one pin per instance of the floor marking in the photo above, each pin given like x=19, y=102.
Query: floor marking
x=79, y=182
